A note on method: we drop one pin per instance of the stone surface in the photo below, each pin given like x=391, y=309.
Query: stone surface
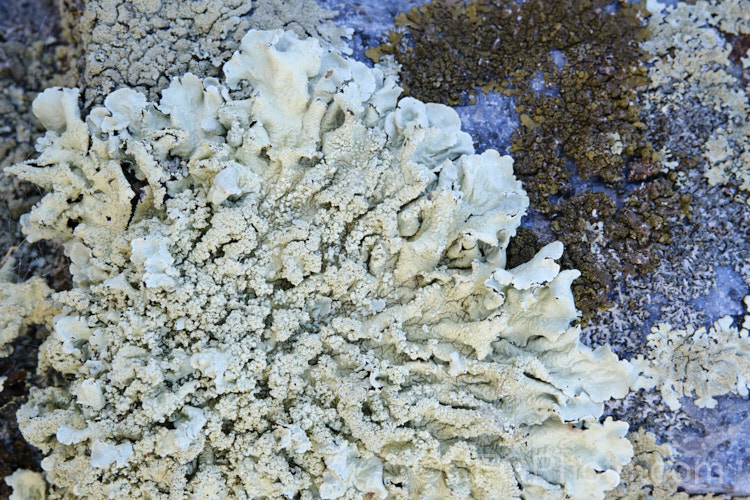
x=714, y=453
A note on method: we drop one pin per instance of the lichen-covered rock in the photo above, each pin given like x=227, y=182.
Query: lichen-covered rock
x=574, y=71
x=650, y=475
x=708, y=363
x=143, y=44
x=695, y=61
x=304, y=294
x=21, y=305
x=304, y=17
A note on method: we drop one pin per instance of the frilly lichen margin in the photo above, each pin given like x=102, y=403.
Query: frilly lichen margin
x=707, y=362
x=316, y=275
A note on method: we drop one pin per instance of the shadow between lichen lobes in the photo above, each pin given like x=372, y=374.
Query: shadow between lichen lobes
x=580, y=123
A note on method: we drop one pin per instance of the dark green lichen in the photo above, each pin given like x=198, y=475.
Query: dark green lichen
x=579, y=120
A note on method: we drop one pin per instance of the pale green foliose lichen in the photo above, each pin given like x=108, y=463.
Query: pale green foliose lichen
x=304, y=294
x=21, y=305
x=707, y=362
x=650, y=475
x=690, y=48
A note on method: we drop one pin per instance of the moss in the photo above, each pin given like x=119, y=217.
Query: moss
x=575, y=68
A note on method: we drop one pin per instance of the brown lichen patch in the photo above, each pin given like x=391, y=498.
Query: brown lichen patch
x=740, y=45
x=582, y=223
x=604, y=241
x=583, y=111
x=523, y=247
x=574, y=67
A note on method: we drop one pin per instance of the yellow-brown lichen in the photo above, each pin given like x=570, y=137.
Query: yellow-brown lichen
x=574, y=67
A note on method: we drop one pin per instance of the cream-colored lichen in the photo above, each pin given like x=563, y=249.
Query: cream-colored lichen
x=653, y=474
x=303, y=17
x=142, y=44
x=21, y=305
x=691, y=61
x=649, y=475
x=707, y=362
x=27, y=485
x=304, y=294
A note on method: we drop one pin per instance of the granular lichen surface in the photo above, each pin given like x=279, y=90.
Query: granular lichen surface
x=309, y=286
x=658, y=213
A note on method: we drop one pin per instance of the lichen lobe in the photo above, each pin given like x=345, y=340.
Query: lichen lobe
x=310, y=298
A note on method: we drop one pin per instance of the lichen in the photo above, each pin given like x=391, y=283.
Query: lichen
x=575, y=69
x=21, y=305
x=304, y=292
x=653, y=474
x=708, y=362
x=304, y=17
x=33, y=56
x=607, y=242
x=693, y=61
x=650, y=475
x=587, y=76
x=27, y=485
x=143, y=44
